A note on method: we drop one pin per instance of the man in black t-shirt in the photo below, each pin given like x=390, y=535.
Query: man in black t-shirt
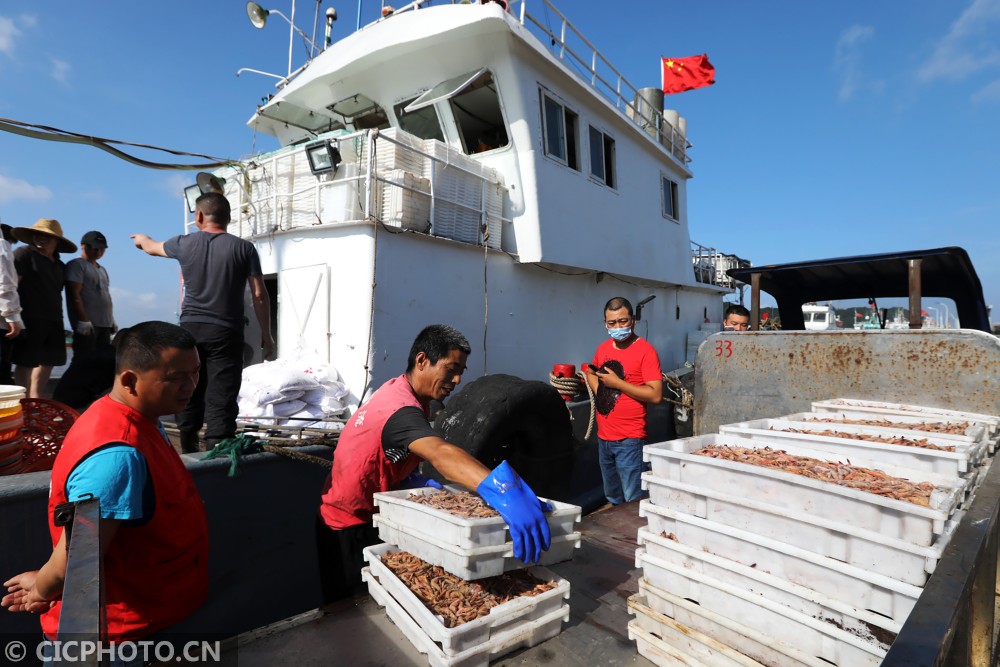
x=215, y=266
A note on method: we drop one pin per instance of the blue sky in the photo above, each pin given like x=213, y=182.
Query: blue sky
x=833, y=129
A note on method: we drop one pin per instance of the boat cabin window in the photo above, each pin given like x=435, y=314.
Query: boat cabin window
x=421, y=123
x=668, y=198
x=602, y=157
x=361, y=112
x=475, y=105
x=560, y=131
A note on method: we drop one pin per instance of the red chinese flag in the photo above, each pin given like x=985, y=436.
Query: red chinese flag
x=680, y=74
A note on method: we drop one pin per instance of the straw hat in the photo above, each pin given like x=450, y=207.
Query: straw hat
x=45, y=226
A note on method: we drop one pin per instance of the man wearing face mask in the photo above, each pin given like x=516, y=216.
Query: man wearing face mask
x=627, y=377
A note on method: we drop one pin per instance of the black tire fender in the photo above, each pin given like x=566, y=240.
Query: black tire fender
x=525, y=422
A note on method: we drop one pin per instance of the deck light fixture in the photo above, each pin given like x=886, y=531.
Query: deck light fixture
x=324, y=157
x=258, y=17
x=204, y=183
x=191, y=194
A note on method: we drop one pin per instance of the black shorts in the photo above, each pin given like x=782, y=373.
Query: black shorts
x=42, y=343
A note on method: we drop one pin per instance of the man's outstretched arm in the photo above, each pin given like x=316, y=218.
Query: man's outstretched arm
x=148, y=245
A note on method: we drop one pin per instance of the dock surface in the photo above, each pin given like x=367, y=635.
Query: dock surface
x=602, y=576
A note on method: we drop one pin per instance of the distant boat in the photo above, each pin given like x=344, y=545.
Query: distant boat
x=818, y=318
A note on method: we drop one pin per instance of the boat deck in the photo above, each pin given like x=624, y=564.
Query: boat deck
x=602, y=575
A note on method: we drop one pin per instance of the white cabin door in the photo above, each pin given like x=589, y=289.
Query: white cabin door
x=304, y=310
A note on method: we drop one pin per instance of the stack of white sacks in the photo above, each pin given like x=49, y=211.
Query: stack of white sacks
x=747, y=565
x=299, y=391
x=469, y=548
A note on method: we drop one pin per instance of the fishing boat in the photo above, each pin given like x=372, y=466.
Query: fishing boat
x=509, y=192
x=819, y=317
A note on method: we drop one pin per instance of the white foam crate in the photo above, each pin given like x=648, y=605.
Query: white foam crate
x=976, y=435
x=694, y=566
x=780, y=434
x=672, y=460
x=992, y=422
x=769, y=650
x=666, y=643
x=839, y=580
x=473, y=563
x=406, y=154
x=530, y=634
x=464, y=188
x=459, y=639
x=975, y=432
x=866, y=549
x=466, y=533
x=819, y=637
x=404, y=200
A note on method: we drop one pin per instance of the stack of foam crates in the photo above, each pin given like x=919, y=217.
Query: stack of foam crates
x=405, y=200
x=464, y=191
x=747, y=565
x=470, y=548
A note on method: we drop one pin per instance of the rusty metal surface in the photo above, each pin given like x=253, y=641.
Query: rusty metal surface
x=760, y=374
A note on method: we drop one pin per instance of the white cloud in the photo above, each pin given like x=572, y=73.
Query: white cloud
x=61, y=70
x=95, y=196
x=28, y=20
x=847, y=60
x=176, y=181
x=12, y=189
x=134, y=307
x=987, y=94
x=8, y=33
x=968, y=46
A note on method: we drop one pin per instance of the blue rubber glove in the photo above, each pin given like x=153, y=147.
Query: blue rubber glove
x=415, y=480
x=505, y=491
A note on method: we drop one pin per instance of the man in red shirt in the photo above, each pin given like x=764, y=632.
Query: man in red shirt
x=627, y=377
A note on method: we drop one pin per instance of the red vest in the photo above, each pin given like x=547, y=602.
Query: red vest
x=360, y=466
x=155, y=574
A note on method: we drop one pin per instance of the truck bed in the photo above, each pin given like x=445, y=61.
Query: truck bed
x=602, y=575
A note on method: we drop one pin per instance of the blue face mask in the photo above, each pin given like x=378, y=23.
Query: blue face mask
x=620, y=334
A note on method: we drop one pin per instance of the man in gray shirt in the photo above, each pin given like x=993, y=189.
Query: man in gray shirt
x=215, y=266
x=88, y=297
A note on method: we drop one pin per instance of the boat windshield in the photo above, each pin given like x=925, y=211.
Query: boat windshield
x=421, y=123
x=361, y=111
x=475, y=105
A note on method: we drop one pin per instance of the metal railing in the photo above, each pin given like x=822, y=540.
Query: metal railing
x=598, y=72
x=82, y=615
x=387, y=176
x=710, y=265
x=604, y=78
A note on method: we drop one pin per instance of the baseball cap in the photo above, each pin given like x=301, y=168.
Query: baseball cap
x=94, y=240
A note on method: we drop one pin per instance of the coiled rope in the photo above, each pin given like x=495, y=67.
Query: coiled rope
x=683, y=398
x=244, y=444
x=571, y=387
